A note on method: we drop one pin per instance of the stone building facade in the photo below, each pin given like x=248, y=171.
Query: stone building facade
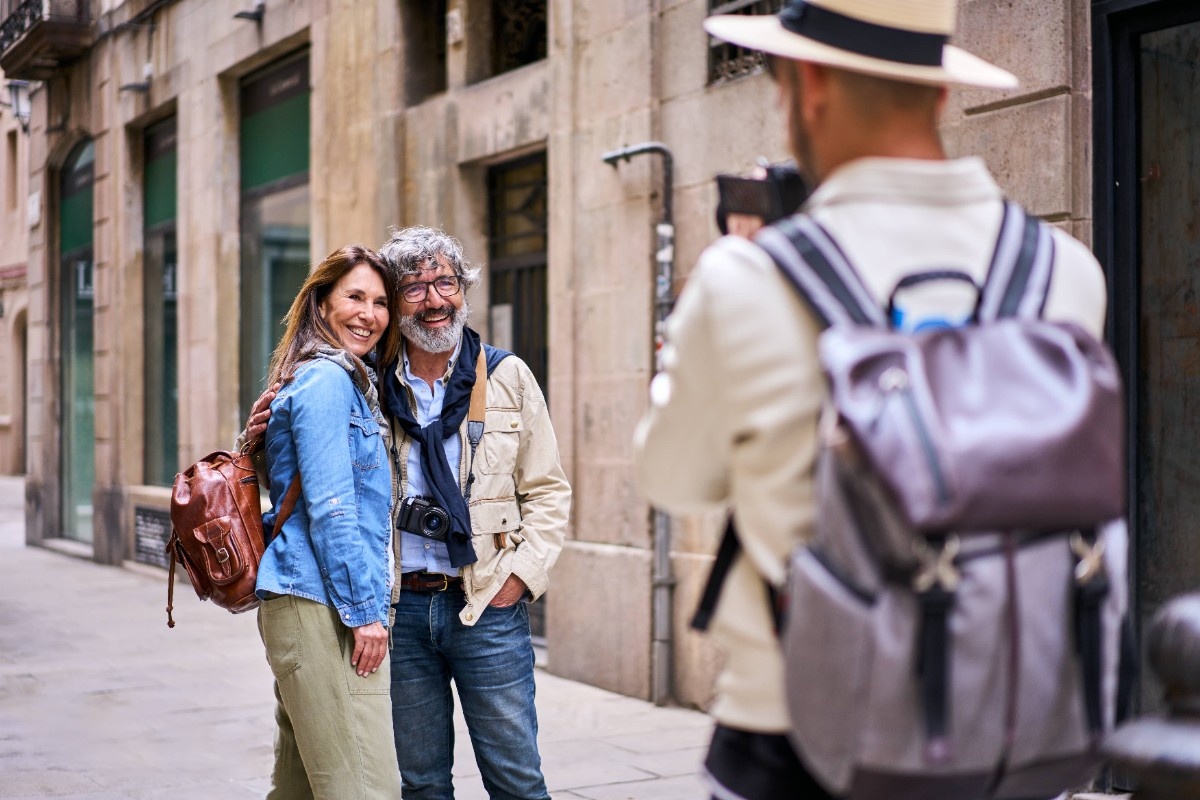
x=14, y=298
x=189, y=160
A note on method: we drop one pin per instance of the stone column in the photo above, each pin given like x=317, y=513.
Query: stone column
x=1163, y=753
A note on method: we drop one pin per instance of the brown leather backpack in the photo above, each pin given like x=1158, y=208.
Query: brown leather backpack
x=217, y=529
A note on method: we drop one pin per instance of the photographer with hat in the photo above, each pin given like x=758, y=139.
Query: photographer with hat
x=732, y=423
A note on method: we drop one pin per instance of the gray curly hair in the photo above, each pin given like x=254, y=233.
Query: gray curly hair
x=412, y=249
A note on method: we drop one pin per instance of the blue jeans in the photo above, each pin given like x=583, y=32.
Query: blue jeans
x=491, y=664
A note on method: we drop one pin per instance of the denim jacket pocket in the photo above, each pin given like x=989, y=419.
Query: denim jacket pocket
x=364, y=441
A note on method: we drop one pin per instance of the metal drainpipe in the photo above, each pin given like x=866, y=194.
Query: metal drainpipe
x=664, y=273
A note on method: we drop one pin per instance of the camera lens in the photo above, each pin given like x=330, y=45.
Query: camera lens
x=434, y=523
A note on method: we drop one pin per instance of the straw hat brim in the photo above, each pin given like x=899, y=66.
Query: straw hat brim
x=767, y=34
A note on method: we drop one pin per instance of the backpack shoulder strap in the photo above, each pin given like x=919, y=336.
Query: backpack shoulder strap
x=286, y=506
x=818, y=268
x=727, y=552
x=1018, y=280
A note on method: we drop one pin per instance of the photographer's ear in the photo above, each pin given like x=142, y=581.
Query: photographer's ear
x=943, y=96
x=813, y=86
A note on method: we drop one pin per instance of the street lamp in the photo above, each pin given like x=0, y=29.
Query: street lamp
x=18, y=101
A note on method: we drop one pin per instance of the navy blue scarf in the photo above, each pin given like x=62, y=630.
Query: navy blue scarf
x=443, y=479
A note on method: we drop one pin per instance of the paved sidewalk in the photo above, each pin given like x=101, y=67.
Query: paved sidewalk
x=100, y=701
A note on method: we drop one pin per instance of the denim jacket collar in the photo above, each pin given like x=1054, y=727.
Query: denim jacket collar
x=351, y=363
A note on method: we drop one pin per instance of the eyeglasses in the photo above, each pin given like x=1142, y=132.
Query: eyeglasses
x=446, y=286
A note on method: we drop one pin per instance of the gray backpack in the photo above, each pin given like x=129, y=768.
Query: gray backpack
x=954, y=629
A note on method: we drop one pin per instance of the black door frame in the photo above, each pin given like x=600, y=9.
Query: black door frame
x=1116, y=27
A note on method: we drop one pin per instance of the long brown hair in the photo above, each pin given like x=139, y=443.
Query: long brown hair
x=306, y=330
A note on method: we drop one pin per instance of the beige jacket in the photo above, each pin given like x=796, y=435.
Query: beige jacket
x=733, y=417
x=520, y=498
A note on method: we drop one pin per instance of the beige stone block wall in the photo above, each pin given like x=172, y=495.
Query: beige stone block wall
x=599, y=603
x=1037, y=138
x=14, y=292
x=599, y=625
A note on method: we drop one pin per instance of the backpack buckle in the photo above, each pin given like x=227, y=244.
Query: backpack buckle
x=935, y=565
x=1091, y=558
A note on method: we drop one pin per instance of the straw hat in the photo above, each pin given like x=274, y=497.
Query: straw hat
x=904, y=40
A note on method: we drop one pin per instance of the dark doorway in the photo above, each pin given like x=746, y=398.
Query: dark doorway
x=1147, y=211
x=518, y=308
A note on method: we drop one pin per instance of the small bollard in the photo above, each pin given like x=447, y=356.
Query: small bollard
x=1163, y=753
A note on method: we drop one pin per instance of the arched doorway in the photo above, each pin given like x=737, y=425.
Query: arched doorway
x=78, y=404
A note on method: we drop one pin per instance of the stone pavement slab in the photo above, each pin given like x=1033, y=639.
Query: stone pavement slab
x=100, y=701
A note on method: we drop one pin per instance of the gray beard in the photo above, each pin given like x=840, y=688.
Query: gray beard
x=437, y=340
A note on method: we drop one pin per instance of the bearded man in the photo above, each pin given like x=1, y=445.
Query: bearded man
x=462, y=588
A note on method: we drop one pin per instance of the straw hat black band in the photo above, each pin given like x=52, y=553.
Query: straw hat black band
x=864, y=38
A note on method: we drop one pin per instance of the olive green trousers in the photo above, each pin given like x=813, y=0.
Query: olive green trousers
x=334, y=736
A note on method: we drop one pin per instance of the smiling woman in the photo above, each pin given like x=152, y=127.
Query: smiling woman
x=356, y=310
x=325, y=580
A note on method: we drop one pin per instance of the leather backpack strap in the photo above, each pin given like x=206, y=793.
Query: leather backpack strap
x=815, y=265
x=1018, y=279
x=286, y=506
x=475, y=420
x=479, y=391
x=171, y=580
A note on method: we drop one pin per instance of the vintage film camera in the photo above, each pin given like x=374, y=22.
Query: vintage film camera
x=778, y=194
x=422, y=516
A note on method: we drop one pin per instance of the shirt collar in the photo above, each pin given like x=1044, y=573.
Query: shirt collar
x=907, y=181
x=406, y=372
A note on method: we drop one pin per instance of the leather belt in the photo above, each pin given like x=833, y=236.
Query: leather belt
x=429, y=582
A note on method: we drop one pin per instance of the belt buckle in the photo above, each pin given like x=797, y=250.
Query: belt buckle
x=445, y=583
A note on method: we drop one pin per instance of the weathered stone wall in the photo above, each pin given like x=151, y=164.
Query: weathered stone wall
x=14, y=295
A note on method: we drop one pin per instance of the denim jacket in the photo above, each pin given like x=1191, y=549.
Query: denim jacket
x=335, y=548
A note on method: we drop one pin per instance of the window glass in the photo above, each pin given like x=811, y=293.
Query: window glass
x=518, y=33
x=161, y=438
x=78, y=382
x=275, y=214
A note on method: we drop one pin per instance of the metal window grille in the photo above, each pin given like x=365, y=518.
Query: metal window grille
x=519, y=33
x=728, y=61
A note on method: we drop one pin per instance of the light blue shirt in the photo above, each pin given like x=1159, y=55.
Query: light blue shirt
x=416, y=552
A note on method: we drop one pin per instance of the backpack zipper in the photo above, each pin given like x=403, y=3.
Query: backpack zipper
x=895, y=380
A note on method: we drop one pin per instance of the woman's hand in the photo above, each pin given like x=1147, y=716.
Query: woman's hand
x=370, y=648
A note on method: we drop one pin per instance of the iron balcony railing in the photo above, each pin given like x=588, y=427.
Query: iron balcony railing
x=20, y=18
